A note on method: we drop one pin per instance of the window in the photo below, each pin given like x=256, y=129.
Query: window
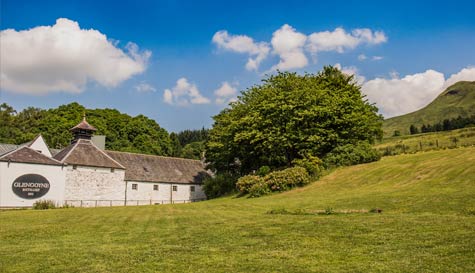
x=75, y=167
x=135, y=186
x=192, y=188
x=155, y=187
x=174, y=188
x=112, y=170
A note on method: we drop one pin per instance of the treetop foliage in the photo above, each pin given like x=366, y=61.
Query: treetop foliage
x=138, y=134
x=290, y=116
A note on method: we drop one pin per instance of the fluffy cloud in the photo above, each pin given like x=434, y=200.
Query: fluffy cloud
x=291, y=46
x=184, y=93
x=352, y=71
x=288, y=44
x=144, y=88
x=397, y=96
x=243, y=44
x=377, y=58
x=225, y=94
x=339, y=40
x=64, y=57
x=362, y=57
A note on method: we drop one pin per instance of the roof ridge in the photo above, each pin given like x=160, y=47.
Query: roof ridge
x=108, y=156
x=69, y=152
x=172, y=157
x=41, y=154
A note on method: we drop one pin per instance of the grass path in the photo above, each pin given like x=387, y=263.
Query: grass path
x=427, y=225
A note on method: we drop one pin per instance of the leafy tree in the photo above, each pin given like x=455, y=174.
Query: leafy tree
x=413, y=129
x=288, y=117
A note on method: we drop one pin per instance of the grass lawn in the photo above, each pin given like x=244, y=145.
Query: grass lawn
x=427, y=225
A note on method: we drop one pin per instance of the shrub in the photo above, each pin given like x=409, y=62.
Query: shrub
x=259, y=189
x=263, y=171
x=245, y=183
x=44, y=204
x=350, y=154
x=312, y=164
x=287, y=179
x=219, y=185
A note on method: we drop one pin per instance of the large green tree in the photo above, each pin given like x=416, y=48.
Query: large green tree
x=288, y=117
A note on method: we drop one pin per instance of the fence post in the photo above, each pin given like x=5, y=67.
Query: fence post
x=137, y=202
x=420, y=144
x=95, y=205
x=111, y=203
x=437, y=143
x=81, y=203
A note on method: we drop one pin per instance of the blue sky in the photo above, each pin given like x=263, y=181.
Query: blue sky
x=403, y=53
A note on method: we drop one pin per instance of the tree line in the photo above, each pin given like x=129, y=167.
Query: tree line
x=138, y=134
x=446, y=125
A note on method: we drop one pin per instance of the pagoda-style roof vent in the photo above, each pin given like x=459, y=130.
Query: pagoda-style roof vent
x=83, y=130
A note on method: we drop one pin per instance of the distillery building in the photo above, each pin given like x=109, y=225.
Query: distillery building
x=84, y=174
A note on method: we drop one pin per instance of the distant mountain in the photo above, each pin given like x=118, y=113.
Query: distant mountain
x=456, y=100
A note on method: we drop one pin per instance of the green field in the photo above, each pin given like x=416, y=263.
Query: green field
x=427, y=141
x=427, y=225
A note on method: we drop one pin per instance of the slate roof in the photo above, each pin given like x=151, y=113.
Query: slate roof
x=151, y=168
x=5, y=148
x=27, y=155
x=84, y=153
x=84, y=125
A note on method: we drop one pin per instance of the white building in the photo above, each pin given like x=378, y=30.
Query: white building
x=84, y=175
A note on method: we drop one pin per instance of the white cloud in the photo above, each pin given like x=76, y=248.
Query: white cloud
x=377, y=58
x=144, y=88
x=243, y=44
x=397, y=96
x=64, y=57
x=292, y=46
x=351, y=70
x=362, y=57
x=184, y=93
x=466, y=74
x=288, y=44
x=339, y=40
x=226, y=93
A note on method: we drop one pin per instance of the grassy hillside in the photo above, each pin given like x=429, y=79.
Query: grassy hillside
x=427, y=225
x=458, y=99
x=427, y=141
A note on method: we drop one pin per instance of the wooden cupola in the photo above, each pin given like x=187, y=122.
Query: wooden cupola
x=83, y=130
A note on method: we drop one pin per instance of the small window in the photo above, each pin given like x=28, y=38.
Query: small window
x=174, y=188
x=135, y=186
x=155, y=187
x=75, y=167
x=192, y=188
x=112, y=170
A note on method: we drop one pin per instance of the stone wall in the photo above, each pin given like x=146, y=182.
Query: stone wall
x=94, y=186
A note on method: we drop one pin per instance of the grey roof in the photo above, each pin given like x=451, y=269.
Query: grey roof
x=83, y=152
x=27, y=155
x=5, y=148
x=152, y=168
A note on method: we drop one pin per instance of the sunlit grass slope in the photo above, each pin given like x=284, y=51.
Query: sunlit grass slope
x=427, y=225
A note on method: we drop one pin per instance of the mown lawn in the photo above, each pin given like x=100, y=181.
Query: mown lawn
x=427, y=225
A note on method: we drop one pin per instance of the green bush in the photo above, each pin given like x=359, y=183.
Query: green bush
x=286, y=179
x=350, y=154
x=219, y=185
x=44, y=204
x=312, y=164
x=263, y=171
x=259, y=189
x=245, y=183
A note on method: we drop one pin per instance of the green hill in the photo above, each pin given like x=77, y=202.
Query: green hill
x=427, y=225
x=456, y=100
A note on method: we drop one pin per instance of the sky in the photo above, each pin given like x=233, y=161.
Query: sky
x=182, y=62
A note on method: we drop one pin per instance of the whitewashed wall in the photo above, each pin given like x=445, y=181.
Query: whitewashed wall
x=94, y=186
x=144, y=194
x=9, y=172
